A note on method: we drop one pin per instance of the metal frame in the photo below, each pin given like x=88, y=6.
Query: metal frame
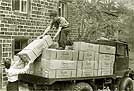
x=49, y=81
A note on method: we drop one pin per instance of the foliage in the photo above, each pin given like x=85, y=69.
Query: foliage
x=94, y=18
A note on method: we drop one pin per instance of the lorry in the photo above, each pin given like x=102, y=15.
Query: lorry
x=120, y=80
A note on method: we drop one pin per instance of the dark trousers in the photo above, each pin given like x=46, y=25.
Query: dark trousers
x=13, y=86
x=63, y=37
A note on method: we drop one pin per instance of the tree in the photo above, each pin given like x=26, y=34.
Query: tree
x=94, y=18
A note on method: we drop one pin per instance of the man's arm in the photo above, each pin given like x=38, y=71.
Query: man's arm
x=63, y=22
x=58, y=31
x=41, y=36
x=15, y=71
x=17, y=61
x=25, y=69
x=47, y=29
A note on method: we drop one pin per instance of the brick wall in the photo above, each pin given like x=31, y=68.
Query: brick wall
x=6, y=52
x=29, y=25
x=73, y=24
x=16, y=25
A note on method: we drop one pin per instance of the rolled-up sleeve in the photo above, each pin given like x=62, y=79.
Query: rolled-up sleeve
x=24, y=70
x=14, y=71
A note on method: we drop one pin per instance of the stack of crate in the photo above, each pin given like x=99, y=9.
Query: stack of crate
x=94, y=59
x=106, y=60
x=34, y=49
x=57, y=64
x=87, y=64
x=85, y=60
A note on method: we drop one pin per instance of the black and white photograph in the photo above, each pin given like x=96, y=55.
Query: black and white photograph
x=66, y=45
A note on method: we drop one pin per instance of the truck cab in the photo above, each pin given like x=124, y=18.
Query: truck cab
x=122, y=59
x=121, y=64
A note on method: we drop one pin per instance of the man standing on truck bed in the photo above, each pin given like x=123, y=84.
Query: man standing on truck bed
x=58, y=22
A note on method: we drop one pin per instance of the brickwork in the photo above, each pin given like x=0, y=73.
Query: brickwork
x=14, y=25
x=6, y=50
x=73, y=24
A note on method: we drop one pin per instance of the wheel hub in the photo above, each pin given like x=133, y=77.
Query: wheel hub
x=128, y=88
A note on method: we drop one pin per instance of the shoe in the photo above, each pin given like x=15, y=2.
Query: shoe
x=60, y=48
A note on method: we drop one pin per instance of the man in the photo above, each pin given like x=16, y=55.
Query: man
x=13, y=71
x=102, y=36
x=59, y=22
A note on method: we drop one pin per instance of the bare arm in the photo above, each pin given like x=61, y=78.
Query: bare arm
x=47, y=29
x=17, y=62
x=58, y=31
x=25, y=69
x=63, y=22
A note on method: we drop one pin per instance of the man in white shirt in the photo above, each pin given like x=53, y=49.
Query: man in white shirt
x=13, y=71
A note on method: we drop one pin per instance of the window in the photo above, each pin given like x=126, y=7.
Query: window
x=21, y=5
x=62, y=9
x=19, y=45
x=24, y=5
x=122, y=50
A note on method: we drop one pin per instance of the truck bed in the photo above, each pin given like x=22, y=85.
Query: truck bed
x=49, y=81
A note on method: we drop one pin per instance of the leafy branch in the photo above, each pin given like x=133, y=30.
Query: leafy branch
x=94, y=18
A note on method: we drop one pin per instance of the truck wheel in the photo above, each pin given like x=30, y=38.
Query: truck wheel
x=93, y=86
x=115, y=86
x=82, y=87
x=126, y=84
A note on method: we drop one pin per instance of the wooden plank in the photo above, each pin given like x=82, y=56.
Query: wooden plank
x=46, y=81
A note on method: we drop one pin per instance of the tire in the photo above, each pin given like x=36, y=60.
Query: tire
x=82, y=87
x=126, y=84
x=115, y=86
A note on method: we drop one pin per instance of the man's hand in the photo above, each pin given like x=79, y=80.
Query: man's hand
x=26, y=68
x=58, y=31
x=40, y=37
x=30, y=62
